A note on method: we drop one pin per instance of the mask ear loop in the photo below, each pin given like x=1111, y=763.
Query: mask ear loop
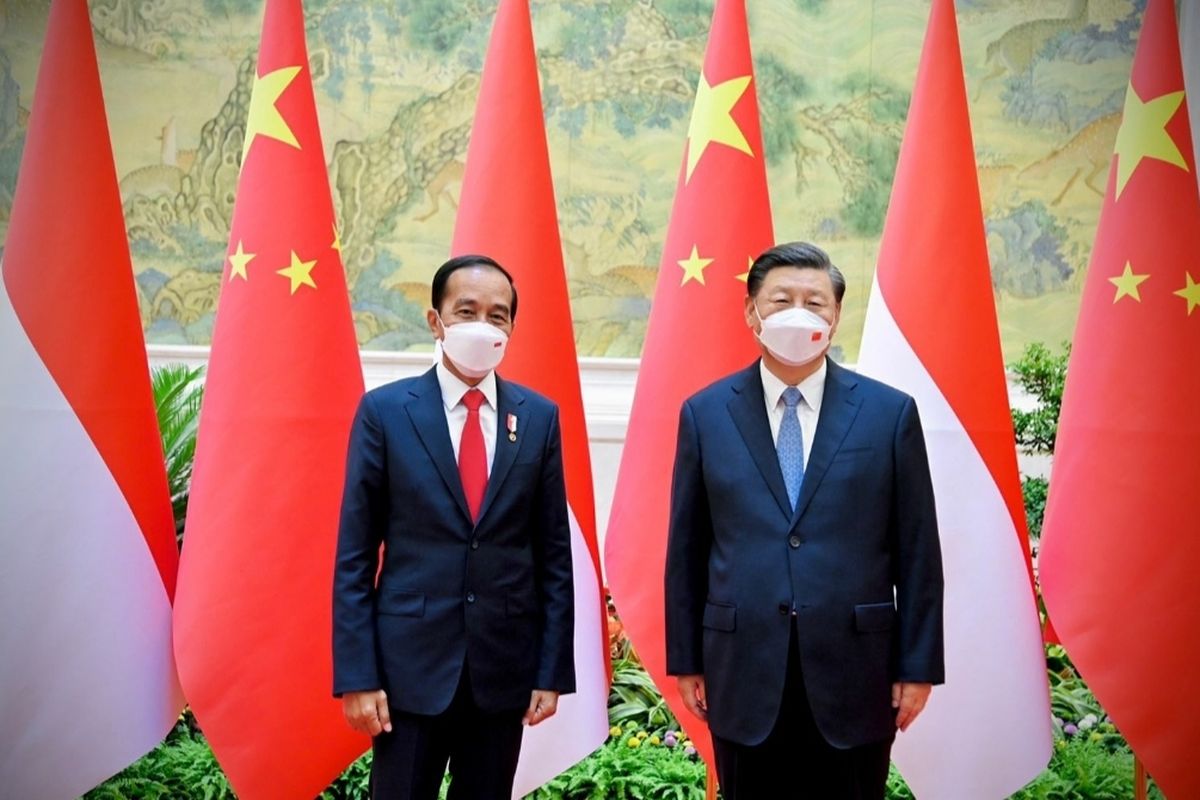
x=437, y=342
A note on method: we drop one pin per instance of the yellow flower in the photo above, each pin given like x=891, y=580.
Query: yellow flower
x=1096, y=737
x=654, y=740
x=615, y=731
x=642, y=734
x=634, y=742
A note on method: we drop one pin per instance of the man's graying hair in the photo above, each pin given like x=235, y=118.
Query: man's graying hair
x=798, y=255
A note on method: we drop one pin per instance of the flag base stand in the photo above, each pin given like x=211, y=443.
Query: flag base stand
x=1139, y=779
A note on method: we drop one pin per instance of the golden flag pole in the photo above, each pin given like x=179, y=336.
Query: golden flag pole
x=710, y=783
x=1139, y=779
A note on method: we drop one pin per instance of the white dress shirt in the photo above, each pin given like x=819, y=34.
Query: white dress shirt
x=812, y=391
x=453, y=390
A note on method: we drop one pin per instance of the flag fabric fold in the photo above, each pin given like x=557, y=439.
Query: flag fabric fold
x=87, y=538
x=1120, y=550
x=507, y=211
x=254, y=611
x=720, y=221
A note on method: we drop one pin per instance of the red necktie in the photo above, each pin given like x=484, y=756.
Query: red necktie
x=472, y=454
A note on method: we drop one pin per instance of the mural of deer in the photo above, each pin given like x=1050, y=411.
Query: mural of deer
x=1015, y=49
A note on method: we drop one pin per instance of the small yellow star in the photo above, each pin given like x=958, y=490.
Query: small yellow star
x=745, y=276
x=712, y=120
x=299, y=272
x=1191, y=293
x=337, y=239
x=1143, y=134
x=238, y=262
x=1127, y=283
x=693, y=267
x=264, y=118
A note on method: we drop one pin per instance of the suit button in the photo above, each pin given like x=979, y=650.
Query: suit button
x=794, y=541
x=470, y=597
x=474, y=544
x=784, y=609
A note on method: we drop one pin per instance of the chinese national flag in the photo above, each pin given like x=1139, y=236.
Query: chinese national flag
x=507, y=212
x=253, y=608
x=720, y=222
x=1121, y=547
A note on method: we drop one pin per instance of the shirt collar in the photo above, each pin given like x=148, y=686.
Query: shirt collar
x=811, y=388
x=453, y=388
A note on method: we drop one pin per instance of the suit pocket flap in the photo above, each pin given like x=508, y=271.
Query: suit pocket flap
x=402, y=604
x=720, y=617
x=873, y=617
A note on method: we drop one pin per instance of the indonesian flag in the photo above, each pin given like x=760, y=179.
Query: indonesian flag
x=931, y=331
x=253, y=619
x=720, y=222
x=87, y=539
x=507, y=211
x=1121, y=544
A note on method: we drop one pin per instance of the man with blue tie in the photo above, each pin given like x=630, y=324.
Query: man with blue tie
x=803, y=577
x=464, y=631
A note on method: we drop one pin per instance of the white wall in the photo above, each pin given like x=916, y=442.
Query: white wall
x=607, y=383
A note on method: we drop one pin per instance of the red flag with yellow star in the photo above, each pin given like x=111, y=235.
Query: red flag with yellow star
x=1121, y=551
x=721, y=220
x=253, y=607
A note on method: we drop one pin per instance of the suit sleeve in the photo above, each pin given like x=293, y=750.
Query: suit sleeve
x=360, y=533
x=689, y=540
x=918, y=561
x=552, y=554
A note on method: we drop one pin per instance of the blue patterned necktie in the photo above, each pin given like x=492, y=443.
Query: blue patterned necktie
x=790, y=446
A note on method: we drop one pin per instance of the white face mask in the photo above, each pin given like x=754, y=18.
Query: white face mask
x=476, y=348
x=795, y=336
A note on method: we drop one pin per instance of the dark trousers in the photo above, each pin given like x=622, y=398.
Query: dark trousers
x=481, y=748
x=795, y=761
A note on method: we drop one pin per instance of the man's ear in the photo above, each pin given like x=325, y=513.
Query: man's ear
x=750, y=312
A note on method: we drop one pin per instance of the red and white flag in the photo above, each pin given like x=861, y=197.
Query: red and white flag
x=87, y=538
x=931, y=331
x=507, y=212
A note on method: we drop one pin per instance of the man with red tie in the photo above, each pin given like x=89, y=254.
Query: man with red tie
x=465, y=632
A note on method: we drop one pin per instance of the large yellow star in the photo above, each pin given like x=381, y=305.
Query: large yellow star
x=1143, y=134
x=1191, y=293
x=264, y=118
x=712, y=121
x=299, y=272
x=238, y=262
x=693, y=267
x=1127, y=283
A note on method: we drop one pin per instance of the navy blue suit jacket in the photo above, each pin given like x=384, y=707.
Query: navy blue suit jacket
x=858, y=560
x=495, y=596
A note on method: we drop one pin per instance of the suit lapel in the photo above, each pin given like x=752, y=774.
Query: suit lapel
x=749, y=412
x=508, y=399
x=428, y=415
x=839, y=407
